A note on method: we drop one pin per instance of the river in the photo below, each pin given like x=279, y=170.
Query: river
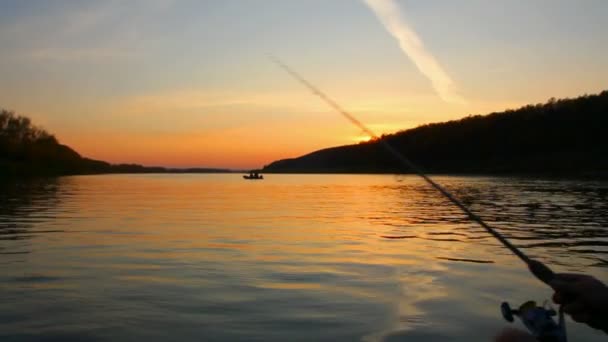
x=213, y=257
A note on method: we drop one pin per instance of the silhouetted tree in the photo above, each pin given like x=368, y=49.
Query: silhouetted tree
x=565, y=136
x=28, y=150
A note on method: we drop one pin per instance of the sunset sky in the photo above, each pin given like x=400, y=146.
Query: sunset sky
x=188, y=83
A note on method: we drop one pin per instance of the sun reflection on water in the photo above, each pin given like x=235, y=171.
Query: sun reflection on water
x=318, y=257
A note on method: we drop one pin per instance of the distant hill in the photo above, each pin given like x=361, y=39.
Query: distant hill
x=561, y=137
x=27, y=150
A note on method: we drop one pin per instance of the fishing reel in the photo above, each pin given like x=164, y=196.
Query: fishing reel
x=538, y=320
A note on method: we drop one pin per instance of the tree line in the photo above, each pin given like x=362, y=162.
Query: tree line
x=28, y=150
x=559, y=137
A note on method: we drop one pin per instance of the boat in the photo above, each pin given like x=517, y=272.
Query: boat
x=253, y=175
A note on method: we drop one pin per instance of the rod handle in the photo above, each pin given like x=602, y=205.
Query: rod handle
x=541, y=271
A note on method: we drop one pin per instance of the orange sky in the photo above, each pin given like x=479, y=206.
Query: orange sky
x=144, y=134
x=181, y=84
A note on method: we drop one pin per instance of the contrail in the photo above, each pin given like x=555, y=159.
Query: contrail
x=390, y=16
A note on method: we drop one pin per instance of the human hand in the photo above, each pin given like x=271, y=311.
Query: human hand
x=583, y=297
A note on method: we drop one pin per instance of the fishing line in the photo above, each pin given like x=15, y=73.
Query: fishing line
x=540, y=270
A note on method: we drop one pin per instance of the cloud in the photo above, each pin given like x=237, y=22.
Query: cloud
x=390, y=16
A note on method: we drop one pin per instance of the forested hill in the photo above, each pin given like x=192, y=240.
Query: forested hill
x=27, y=150
x=566, y=137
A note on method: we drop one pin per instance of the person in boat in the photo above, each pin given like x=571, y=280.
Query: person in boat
x=583, y=297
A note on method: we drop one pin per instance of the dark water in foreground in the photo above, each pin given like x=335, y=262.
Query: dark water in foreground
x=293, y=257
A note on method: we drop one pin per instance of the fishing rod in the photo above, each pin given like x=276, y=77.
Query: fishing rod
x=537, y=268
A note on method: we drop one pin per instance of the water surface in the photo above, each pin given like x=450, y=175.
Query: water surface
x=293, y=257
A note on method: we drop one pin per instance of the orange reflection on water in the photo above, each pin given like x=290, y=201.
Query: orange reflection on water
x=389, y=242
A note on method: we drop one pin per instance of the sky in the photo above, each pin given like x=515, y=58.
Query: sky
x=188, y=83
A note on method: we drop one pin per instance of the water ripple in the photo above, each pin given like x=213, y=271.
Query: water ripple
x=295, y=257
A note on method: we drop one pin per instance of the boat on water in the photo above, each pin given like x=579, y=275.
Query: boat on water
x=253, y=175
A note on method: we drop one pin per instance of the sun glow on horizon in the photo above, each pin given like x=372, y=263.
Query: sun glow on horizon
x=362, y=138
x=188, y=84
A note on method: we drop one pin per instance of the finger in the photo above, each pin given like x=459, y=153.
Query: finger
x=581, y=317
x=595, y=324
x=565, y=286
x=570, y=277
x=558, y=298
x=574, y=308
